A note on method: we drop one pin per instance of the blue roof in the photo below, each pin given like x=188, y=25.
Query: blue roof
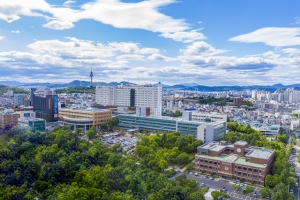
x=190, y=109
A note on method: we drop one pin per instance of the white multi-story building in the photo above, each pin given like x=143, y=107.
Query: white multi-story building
x=208, y=117
x=132, y=95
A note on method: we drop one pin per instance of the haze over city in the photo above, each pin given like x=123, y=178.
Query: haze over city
x=204, y=42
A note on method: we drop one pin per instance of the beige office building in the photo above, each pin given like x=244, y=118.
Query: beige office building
x=85, y=119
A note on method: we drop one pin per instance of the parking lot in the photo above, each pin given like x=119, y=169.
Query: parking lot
x=127, y=143
x=219, y=184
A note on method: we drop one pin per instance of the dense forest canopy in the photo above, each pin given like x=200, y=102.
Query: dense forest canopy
x=76, y=89
x=16, y=90
x=60, y=165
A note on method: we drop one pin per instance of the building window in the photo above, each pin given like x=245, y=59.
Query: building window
x=210, y=162
x=239, y=173
x=210, y=167
x=245, y=168
x=244, y=174
x=215, y=163
x=255, y=170
x=239, y=167
x=250, y=169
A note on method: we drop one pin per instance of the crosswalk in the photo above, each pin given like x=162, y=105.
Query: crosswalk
x=240, y=196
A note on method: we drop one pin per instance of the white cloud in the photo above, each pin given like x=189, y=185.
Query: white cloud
x=12, y=10
x=201, y=48
x=130, y=57
x=59, y=25
x=159, y=57
x=2, y=37
x=112, y=12
x=68, y=3
x=272, y=36
x=129, y=47
x=185, y=36
x=16, y=31
x=297, y=20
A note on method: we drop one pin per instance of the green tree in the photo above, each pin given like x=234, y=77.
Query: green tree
x=249, y=189
x=189, y=167
x=265, y=192
x=215, y=194
x=281, y=192
x=183, y=158
x=91, y=133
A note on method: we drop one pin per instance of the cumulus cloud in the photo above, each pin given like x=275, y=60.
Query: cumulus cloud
x=2, y=37
x=16, y=31
x=185, y=36
x=59, y=25
x=159, y=57
x=272, y=36
x=201, y=48
x=130, y=57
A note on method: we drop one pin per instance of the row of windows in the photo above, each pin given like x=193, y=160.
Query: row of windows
x=239, y=167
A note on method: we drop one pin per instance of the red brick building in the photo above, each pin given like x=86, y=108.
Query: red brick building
x=235, y=161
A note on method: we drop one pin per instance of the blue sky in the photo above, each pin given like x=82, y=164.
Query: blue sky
x=209, y=42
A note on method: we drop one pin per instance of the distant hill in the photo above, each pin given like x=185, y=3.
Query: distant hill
x=11, y=83
x=183, y=86
x=4, y=88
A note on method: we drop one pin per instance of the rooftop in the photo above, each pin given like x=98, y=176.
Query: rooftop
x=243, y=143
x=260, y=152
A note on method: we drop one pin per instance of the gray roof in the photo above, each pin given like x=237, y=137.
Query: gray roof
x=241, y=143
x=260, y=152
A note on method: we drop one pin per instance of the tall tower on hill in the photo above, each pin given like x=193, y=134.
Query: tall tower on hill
x=91, y=75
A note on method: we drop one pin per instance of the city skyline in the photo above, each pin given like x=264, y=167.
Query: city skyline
x=168, y=41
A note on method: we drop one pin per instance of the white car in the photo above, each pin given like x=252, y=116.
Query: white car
x=296, y=184
x=196, y=174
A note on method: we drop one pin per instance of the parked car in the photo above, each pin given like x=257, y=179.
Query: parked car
x=196, y=174
x=202, y=185
x=191, y=173
x=296, y=184
x=211, y=178
x=291, y=191
x=245, y=185
x=241, y=184
x=205, y=177
x=244, y=191
x=224, y=189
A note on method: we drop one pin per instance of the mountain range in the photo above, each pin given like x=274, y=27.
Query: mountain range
x=183, y=86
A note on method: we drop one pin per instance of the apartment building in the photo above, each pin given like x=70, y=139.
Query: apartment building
x=235, y=161
x=131, y=95
x=20, y=99
x=85, y=119
x=8, y=118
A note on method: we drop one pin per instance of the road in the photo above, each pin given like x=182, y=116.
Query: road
x=293, y=160
x=218, y=184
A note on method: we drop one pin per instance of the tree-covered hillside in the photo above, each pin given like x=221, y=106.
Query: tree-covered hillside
x=4, y=89
x=60, y=165
x=77, y=89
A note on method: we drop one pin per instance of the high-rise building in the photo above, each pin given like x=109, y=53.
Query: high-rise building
x=20, y=99
x=45, y=106
x=131, y=95
x=238, y=100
